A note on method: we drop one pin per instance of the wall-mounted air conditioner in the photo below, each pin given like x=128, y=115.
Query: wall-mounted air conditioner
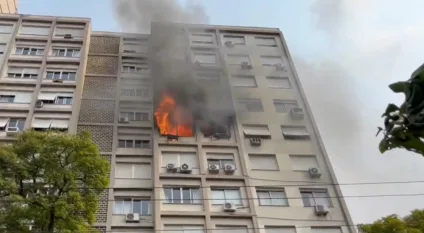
x=229, y=44
x=279, y=67
x=170, y=167
x=213, y=168
x=314, y=172
x=132, y=217
x=185, y=168
x=297, y=113
x=229, y=207
x=321, y=210
x=255, y=141
x=123, y=120
x=229, y=169
x=245, y=65
x=39, y=104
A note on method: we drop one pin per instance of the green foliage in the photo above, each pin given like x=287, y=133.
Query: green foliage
x=51, y=180
x=404, y=125
x=412, y=223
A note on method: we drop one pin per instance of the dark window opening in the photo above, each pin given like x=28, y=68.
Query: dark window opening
x=216, y=131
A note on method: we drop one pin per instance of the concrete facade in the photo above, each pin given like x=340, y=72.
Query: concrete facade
x=9, y=6
x=271, y=186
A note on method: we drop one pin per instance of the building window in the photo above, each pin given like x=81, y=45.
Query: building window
x=15, y=124
x=315, y=197
x=2, y=47
x=61, y=75
x=271, y=60
x=244, y=81
x=143, y=92
x=256, y=131
x=221, y=196
x=272, y=197
x=278, y=82
x=182, y=195
x=74, y=32
x=135, y=116
x=208, y=79
x=303, y=162
x=205, y=58
x=231, y=229
x=134, y=69
x=29, y=51
x=22, y=72
x=43, y=124
x=35, y=30
x=221, y=159
x=185, y=228
x=295, y=132
x=132, y=205
x=326, y=230
x=250, y=105
x=281, y=229
x=66, y=52
x=179, y=158
x=134, y=143
x=5, y=28
x=266, y=41
x=285, y=106
x=133, y=171
x=63, y=100
x=234, y=59
x=263, y=162
x=234, y=40
x=201, y=39
x=7, y=98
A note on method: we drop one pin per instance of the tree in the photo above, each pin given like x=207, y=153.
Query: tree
x=404, y=124
x=412, y=223
x=51, y=181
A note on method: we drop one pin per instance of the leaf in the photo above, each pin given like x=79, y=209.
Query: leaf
x=390, y=108
x=383, y=146
x=398, y=87
x=379, y=130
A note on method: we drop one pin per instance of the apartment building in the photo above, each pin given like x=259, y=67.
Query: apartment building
x=264, y=171
x=9, y=6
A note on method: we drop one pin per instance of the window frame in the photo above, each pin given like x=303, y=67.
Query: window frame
x=246, y=102
x=192, y=200
x=63, y=100
x=134, y=115
x=284, y=103
x=199, y=42
x=240, y=203
x=268, y=64
x=264, y=45
x=134, y=143
x=133, y=169
x=8, y=98
x=132, y=199
x=269, y=191
x=272, y=156
x=238, y=55
x=139, y=92
x=71, y=75
x=221, y=163
x=178, y=154
x=244, y=77
x=278, y=78
x=205, y=53
x=30, y=49
x=76, y=52
x=137, y=68
x=313, y=192
x=300, y=137
x=18, y=121
x=9, y=26
x=225, y=38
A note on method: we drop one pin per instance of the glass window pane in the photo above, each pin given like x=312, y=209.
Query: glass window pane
x=186, y=195
x=168, y=195
x=321, y=198
x=176, y=195
x=233, y=196
x=218, y=197
x=137, y=206
x=72, y=76
x=195, y=195
x=127, y=206
x=119, y=207
x=278, y=198
x=121, y=143
x=145, y=207
x=264, y=198
x=21, y=124
x=129, y=144
x=137, y=144
x=308, y=199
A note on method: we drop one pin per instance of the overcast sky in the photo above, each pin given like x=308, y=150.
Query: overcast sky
x=346, y=52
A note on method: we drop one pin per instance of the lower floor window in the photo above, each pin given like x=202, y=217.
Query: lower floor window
x=128, y=205
x=315, y=197
x=221, y=196
x=182, y=195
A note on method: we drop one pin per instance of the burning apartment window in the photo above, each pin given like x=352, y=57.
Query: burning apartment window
x=250, y=105
x=216, y=131
x=134, y=143
x=135, y=116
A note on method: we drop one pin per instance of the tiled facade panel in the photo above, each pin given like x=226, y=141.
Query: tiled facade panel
x=99, y=87
x=102, y=65
x=100, y=229
x=101, y=214
x=102, y=135
x=104, y=45
x=99, y=111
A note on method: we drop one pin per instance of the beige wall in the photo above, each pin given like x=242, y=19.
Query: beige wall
x=9, y=6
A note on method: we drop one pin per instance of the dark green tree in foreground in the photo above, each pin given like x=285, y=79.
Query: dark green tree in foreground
x=412, y=223
x=50, y=181
x=404, y=124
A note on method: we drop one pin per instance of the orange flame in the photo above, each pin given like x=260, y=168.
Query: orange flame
x=173, y=119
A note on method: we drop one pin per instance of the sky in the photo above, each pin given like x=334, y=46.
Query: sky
x=346, y=53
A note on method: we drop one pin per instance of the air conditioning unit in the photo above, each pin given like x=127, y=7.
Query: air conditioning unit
x=229, y=44
x=185, y=168
x=229, y=207
x=12, y=131
x=67, y=36
x=56, y=80
x=132, y=217
x=213, y=168
x=124, y=120
x=229, y=169
x=246, y=65
x=321, y=210
x=39, y=104
x=255, y=141
x=170, y=167
x=314, y=172
x=297, y=113
x=279, y=67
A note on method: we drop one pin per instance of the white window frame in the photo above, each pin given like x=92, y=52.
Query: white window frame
x=267, y=38
x=228, y=38
x=134, y=143
x=286, y=104
x=16, y=125
x=133, y=169
x=244, y=77
x=127, y=114
x=76, y=52
x=22, y=74
x=61, y=75
x=140, y=92
x=64, y=100
x=246, y=102
x=192, y=200
x=39, y=51
x=314, y=192
x=269, y=192
x=131, y=199
x=237, y=202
